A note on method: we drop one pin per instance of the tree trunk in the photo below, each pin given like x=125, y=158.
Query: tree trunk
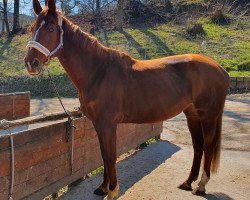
x=97, y=20
x=98, y=7
x=98, y=11
x=3, y=26
x=16, y=24
x=119, y=16
x=5, y=17
x=168, y=5
x=2, y=30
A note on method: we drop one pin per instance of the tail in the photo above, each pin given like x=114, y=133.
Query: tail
x=217, y=149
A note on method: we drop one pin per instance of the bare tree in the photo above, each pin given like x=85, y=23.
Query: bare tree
x=98, y=13
x=120, y=14
x=68, y=5
x=98, y=7
x=1, y=15
x=5, y=16
x=3, y=23
x=16, y=22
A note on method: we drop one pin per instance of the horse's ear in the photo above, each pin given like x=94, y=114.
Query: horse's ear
x=37, y=7
x=51, y=5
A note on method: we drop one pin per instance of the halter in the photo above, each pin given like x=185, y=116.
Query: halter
x=42, y=49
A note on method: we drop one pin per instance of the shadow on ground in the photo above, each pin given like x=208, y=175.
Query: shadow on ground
x=130, y=170
x=5, y=46
x=245, y=100
x=140, y=49
x=217, y=196
x=161, y=46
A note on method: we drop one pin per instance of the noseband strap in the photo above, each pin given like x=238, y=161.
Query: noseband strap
x=39, y=47
x=42, y=49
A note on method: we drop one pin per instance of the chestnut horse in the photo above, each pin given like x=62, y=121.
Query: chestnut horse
x=116, y=88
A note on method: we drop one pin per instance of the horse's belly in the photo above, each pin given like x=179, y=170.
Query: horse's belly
x=157, y=113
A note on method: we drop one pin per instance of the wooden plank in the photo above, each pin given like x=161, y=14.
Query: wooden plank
x=16, y=94
x=52, y=138
x=44, y=168
x=47, y=167
x=20, y=102
x=4, y=195
x=42, y=180
x=40, y=194
x=31, y=136
x=54, y=145
x=91, y=155
x=38, y=152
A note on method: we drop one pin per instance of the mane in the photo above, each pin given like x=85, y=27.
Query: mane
x=86, y=40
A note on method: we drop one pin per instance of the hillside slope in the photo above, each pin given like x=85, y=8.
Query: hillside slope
x=228, y=44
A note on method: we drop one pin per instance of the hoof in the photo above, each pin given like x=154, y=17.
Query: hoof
x=99, y=191
x=185, y=186
x=112, y=194
x=198, y=192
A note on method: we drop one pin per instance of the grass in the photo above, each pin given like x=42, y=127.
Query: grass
x=229, y=45
x=12, y=52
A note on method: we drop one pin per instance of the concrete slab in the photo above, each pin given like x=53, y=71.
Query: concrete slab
x=154, y=173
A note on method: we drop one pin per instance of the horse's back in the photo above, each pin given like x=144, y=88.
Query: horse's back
x=187, y=68
x=185, y=61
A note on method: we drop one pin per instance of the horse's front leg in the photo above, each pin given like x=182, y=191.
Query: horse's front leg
x=103, y=189
x=107, y=137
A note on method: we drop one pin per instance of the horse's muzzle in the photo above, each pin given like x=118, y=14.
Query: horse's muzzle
x=34, y=67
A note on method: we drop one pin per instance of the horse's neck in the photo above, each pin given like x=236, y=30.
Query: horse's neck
x=79, y=62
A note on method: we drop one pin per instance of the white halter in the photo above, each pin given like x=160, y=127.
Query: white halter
x=36, y=45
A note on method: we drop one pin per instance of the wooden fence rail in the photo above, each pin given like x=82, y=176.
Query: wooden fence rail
x=42, y=155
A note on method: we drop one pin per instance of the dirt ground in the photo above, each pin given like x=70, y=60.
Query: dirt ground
x=154, y=172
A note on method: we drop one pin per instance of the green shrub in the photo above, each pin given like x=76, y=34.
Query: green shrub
x=244, y=66
x=195, y=30
x=220, y=18
x=38, y=86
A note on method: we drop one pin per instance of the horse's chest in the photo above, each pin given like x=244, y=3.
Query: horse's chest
x=90, y=108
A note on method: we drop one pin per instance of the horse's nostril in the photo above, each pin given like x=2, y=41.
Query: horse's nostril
x=36, y=63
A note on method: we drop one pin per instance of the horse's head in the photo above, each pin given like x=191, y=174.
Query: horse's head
x=47, y=35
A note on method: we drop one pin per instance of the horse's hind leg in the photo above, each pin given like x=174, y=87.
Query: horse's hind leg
x=212, y=139
x=195, y=129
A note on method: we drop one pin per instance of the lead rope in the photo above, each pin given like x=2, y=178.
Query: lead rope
x=5, y=125
x=12, y=152
x=12, y=164
x=71, y=126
